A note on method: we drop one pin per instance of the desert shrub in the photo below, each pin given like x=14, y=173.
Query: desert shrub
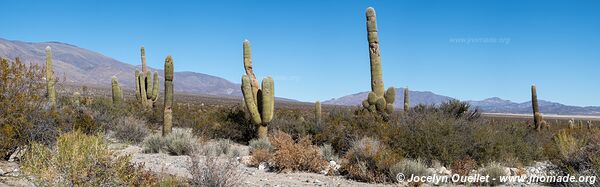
x=408, y=168
x=262, y=143
x=84, y=122
x=219, y=122
x=566, y=143
x=21, y=97
x=369, y=160
x=153, y=143
x=180, y=142
x=328, y=152
x=212, y=171
x=79, y=159
x=494, y=170
x=464, y=166
x=290, y=155
x=459, y=109
x=583, y=161
x=260, y=156
x=292, y=123
x=220, y=147
x=130, y=129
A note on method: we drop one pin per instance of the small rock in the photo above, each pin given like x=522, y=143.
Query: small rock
x=2, y=172
x=262, y=166
x=317, y=181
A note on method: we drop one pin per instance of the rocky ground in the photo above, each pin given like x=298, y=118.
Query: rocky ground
x=10, y=174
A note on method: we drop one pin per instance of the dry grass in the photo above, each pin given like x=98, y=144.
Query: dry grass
x=290, y=155
x=214, y=172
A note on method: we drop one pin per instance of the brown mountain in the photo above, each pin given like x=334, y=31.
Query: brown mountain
x=75, y=65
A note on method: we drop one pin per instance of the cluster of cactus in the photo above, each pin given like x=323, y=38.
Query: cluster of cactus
x=538, y=121
x=318, y=112
x=377, y=100
x=406, y=100
x=117, y=93
x=168, y=110
x=50, y=80
x=260, y=101
x=146, y=89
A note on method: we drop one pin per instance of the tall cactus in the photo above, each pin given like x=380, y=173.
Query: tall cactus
x=406, y=100
x=50, y=81
x=318, y=112
x=168, y=113
x=117, y=94
x=538, y=121
x=260, y=101
x=379, y=99
x=146, y=89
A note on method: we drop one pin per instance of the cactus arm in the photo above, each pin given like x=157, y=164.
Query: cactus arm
x=148, y=85
x=248, y=68
x=137, y=85
x=268, y=100
x=390, y=95
x=168, y=111
x=142, y=81
x=251, y=104
x=143, y=56
x=155, y=87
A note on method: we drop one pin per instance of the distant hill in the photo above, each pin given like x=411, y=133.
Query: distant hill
x=75, y=65
x=490, y=105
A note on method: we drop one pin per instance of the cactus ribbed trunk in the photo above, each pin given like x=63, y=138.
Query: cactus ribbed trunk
x=50, y=81
x=260, y=101
x=117, y=94
x=379, y=99
x=406, y=100
x=146, y=88
x=374, y=53
x=318, y=112
x=168, y=113
x=537, y=116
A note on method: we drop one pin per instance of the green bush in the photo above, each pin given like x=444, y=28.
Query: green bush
x=81, y=160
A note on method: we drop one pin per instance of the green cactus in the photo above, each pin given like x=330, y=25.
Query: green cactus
x=406, y=100
x=538, y=121
x=168, y=113
x=318, y=112
x=117, y=94
x=260, y=102
x=378, y=99
x=50, y=81
x=146, y=89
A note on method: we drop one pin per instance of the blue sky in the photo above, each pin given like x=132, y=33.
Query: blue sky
x=317, y=49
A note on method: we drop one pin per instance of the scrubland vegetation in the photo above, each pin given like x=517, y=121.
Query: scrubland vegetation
x=67, y=135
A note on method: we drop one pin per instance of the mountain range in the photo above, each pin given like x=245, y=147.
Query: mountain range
x=78, y=66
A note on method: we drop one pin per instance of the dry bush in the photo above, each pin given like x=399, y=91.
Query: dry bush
x=153, y=143
x=369, y=160
x=494, y=170
x=211, y=171
x=179, y=142
x=82, y=160
x=262, y=143
x=259, y=156
x=21, y=100
x=408, y=167
x=290, y=155
x=130, y=129
x=464, y=166
x=328, y=153
x=583, y=161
